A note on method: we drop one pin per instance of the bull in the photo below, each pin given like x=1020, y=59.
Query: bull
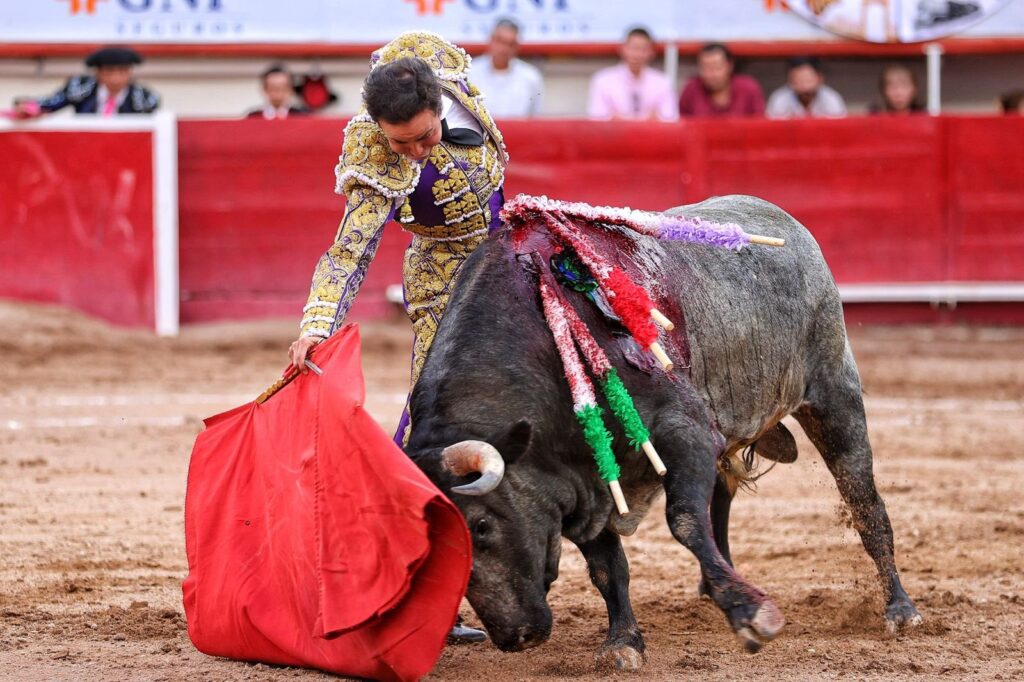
x=762, y=337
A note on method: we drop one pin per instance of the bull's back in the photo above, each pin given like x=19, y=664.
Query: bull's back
x=759, y=321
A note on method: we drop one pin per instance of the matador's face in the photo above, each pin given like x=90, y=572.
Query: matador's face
x=114, y=78
x=416, y=137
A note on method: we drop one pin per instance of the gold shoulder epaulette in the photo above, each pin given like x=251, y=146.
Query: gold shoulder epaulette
x=367, y=158
x=449, y=61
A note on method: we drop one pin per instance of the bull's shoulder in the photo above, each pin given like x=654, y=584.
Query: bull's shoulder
x=742, y=209
x=755, y=216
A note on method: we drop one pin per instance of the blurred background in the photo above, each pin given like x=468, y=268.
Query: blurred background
x=204, y=57
x=891, y=129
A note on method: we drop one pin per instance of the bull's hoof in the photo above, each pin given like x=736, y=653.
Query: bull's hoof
x=762, y=628
x=901, y=614
x=703, y=591
x=622, y=657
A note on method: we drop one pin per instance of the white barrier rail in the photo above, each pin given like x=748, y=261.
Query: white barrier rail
x=935, y=293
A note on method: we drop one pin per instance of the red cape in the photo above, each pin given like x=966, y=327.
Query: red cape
x=312, y=539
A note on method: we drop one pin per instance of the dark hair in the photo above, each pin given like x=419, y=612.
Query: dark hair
x=1010, y=101
x=639, y=31
x=397, y=91
x=716, y=47
x=505, y=22
x=272, y=69
x=797, y=62
x=915, y=103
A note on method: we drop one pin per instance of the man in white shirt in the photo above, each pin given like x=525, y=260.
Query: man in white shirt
x=511, y=87
x=805, y=94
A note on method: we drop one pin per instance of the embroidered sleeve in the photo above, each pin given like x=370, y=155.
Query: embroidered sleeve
x=342, y=268
x=57, y=100
x=144, y=101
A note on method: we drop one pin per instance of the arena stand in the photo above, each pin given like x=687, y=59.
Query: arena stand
x=919, y=218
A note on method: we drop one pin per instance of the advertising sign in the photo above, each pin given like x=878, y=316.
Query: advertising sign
x=374, y=22
x=895, y=21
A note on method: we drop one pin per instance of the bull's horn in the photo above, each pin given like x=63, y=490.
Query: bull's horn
x=468, y=456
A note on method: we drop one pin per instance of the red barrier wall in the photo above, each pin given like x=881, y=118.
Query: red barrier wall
x=985, y=161
x=76, y=221
x=890, y=200
x=256, y=210
x=872, y=191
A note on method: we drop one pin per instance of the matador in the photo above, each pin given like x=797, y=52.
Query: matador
x=423, y=150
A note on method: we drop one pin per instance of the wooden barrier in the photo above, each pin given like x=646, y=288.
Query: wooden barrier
x=906, y=210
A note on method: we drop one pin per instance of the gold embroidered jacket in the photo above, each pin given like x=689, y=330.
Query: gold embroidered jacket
x=450, y=199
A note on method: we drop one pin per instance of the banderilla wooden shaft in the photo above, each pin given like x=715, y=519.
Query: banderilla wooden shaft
x=652, y=455
x=661, y=320
x=620, y=499
x=663, y=358
x=766, y=241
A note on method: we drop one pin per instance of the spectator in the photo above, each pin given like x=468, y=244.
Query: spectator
x=805, y=94
x=898, y=87
x=1012, y=103
x=511, y=87
x=109, y=91
x=717, y=90
x=632, y=89
x=278, y=90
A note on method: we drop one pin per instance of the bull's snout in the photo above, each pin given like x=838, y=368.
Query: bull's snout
x=520, y=639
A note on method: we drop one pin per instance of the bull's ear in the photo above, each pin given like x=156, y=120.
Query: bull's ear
x=514, y=441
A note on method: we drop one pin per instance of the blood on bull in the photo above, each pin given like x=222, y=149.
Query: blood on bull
x=759, y=335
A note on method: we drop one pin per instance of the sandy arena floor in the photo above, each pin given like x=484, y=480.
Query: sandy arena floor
x=96, y=425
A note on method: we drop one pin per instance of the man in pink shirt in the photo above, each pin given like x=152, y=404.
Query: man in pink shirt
x=717, y=91
x=632, y=89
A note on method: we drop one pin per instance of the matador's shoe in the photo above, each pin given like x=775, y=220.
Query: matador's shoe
x=462, y=634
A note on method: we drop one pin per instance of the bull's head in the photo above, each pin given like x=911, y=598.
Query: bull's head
x=515, y=523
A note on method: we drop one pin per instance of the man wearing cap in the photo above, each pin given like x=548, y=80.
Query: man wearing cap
x=108, y=92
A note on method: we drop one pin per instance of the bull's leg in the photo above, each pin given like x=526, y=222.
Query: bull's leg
x=688, y=487
x=833, y=418
x=721, y=503
x=624, y=647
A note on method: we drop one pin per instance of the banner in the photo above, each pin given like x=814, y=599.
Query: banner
x=374, y=22
x=892, y=21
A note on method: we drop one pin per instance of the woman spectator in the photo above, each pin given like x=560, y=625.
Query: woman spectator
x=899, y=90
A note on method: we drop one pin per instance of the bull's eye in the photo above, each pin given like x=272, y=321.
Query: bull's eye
x=481, y=528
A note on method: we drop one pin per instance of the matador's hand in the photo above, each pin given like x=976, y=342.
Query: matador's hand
x=298, y=351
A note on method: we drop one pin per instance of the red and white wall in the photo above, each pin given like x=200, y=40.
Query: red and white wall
x=920, y=218
x=88, y=217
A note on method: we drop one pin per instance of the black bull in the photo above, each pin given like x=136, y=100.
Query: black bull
x=759, y=335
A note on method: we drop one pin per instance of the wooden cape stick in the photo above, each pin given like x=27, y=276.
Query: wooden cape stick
x=284, y=381
x=277, y=386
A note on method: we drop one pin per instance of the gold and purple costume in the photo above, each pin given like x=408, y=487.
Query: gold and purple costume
x=450, y=202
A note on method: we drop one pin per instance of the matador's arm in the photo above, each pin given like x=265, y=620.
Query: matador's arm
x=342, y=268
x=75, y=90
